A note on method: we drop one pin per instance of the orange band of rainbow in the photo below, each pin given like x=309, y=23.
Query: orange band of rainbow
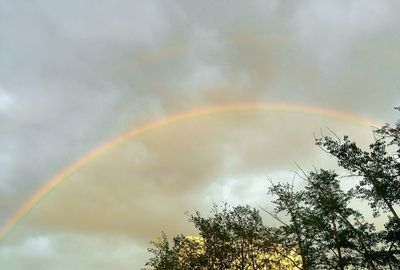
x=38, y=196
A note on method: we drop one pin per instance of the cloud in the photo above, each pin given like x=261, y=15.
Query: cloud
x=146, y=184
x=73, y=75
x=58, y=94
x=62, y=251
x=329, y=29
x=6, y=102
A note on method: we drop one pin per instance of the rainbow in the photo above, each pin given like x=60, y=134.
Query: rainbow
x=39, y=195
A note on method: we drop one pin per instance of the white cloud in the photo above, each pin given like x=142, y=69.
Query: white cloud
x=6, y=102
x=38, y=247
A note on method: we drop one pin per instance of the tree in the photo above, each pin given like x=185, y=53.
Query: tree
x=319, y=230
x=237, y=239
x=346, y=238
x=377, y=173
x=164, y=257
x=231, y=238
x=297, y=232
x=181, y=254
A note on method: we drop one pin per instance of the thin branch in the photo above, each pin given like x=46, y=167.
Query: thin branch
x=335, y=135
x=305, y=177
x=275, y=216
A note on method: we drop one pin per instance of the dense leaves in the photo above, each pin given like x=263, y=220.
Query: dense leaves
x=230, y=238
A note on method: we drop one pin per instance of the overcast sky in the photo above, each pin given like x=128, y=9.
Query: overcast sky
x=75, y=74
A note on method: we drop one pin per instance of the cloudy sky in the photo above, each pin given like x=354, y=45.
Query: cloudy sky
x=75, y=74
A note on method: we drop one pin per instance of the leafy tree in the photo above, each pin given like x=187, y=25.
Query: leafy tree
x=296, y=232
x=237, y=239
x=377, y=172
x=165, y=256
x=231, y=238
x=345, y=237
x=319, y=229
x=181, y=254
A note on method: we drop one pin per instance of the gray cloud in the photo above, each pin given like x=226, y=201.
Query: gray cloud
x=73, y=75
x=63, y=251
x=147, y=184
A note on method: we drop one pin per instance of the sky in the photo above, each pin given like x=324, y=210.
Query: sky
x=75, y=74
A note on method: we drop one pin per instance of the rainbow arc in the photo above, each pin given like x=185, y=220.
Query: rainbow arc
x=40, y=195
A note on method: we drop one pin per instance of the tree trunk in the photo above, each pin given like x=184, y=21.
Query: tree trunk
x=339, y=251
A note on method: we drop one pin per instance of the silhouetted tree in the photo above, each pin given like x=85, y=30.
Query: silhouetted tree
x=298, y=231
x=230, y=238
x=377, y=172
x=319, y=229
x=165, y=256
x=346, y=238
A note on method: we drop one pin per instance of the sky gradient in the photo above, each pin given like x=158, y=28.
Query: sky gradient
x=75, y=74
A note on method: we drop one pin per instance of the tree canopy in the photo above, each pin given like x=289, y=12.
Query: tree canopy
x=319, y=229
